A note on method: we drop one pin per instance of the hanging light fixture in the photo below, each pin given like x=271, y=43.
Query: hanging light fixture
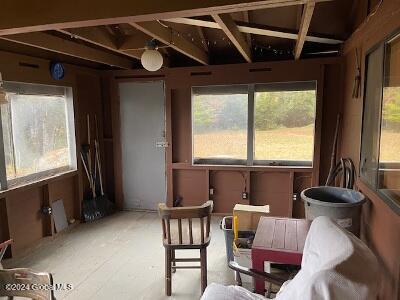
x=151, y=59
x=3, y=94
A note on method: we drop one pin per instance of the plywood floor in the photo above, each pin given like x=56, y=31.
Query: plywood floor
x=121, y=257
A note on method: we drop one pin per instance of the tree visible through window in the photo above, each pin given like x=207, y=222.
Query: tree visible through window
x=220, y=126
x=283, y=128
x=36, y=134
x=284, y=125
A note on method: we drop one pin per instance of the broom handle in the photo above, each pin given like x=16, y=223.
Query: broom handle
x=99, y=166
x=92, y=185
x=86, y=169
x=96, y=143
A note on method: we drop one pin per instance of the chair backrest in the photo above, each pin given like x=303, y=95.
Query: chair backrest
x=35, y=285
x=3, y=249
x=185, y=232
x=335, y=265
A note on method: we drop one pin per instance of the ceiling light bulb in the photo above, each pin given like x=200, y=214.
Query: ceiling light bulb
x=152, y=60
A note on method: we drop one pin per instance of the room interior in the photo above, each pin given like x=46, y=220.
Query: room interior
x=137, y=123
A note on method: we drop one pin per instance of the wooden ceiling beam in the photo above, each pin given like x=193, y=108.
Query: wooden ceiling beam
x=136, y=41
x=177, y=42
x=229, y=27
x=21, y=16
x=98, y=36
x=246, y=18
x=202, y=38
x=56, y=44
x=255, y=29
x=308, y=11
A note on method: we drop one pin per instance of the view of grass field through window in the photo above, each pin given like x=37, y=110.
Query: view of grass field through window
x=390, y=130
x=284, y=125
x=220, y=126
x=283, y=121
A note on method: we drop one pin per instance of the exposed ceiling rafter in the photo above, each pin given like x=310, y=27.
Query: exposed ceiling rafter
x=255, y=29
x=73, y=14
x=231, y=30
x=308, y=11
x=100, y=37
x=203, y=38
x=246, y=18
x=56, y=44
x=136, y=41
x=165, y=35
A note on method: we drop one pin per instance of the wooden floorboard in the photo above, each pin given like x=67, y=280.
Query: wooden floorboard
x=122, y=257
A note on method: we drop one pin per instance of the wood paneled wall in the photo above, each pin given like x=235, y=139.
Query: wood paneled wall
x=20, y=216
x=381, y=226
x=267, y=185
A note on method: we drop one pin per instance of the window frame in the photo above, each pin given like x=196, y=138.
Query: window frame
x=393, y=204
x=45, y=90
x=251, y=161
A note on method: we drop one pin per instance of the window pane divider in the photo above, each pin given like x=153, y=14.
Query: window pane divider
x=250, y=125
x=3, y=173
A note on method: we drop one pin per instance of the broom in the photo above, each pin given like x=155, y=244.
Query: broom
x=103, y=201
x=89, y=207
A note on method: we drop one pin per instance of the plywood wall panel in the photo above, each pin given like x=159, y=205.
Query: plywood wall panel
x=330, y=109
x=4, y=233
x=380, y=229
x=301, y=182
x=66, y=190
x=191, y=186
x=381, y=226
x=25, y=218
x=228, y=187
x=181, y=125
x=272, y=189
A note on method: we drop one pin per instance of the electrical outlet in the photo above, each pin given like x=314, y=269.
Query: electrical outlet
x=245, y=195
x=211, y=192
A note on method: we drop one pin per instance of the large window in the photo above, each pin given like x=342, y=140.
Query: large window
x=38, y=132
x=380, y=150
x=220, y=124
x=261, y=124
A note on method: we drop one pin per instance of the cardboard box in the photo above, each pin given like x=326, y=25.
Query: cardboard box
x=247, y=216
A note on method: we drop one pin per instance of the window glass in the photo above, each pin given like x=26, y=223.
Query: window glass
x=284, y=123
x=36, y=132
x=371, y=117
x=220, y=124
x=389, y=158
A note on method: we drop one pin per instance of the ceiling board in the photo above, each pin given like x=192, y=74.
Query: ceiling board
x=52, y=15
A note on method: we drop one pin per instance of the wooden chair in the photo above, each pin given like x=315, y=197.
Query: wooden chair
x=34, y=285
x=3, y=249
x=185, y=228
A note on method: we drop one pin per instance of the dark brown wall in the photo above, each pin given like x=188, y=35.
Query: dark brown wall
x=381, y=226
x=20, y=217
x=267, y=185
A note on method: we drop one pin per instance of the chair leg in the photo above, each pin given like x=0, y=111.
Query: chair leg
x=168, y=256
x=203, y=262
x=173, y=263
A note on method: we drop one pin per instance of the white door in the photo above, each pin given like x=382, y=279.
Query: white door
x=142, y=111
